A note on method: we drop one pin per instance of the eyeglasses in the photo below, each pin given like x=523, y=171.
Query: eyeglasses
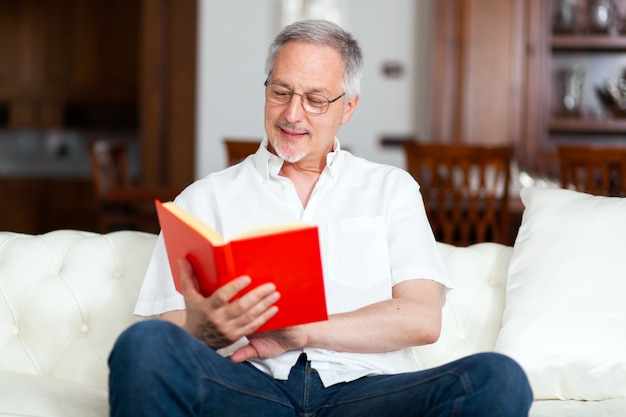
x=311, y=102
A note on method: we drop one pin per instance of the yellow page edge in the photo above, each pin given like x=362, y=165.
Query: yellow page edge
x=195, y=223
x=269, y=229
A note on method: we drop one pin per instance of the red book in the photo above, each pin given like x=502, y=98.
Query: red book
x=287, y=255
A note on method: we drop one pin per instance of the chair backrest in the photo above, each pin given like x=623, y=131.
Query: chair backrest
x=594, y=170
x=238, y=149
x=109, y=165
x=465, y=190
x=122, y=203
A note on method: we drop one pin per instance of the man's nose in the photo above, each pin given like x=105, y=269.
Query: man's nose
x=295, y=107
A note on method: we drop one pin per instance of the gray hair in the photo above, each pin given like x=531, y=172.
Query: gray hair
x=323, y=33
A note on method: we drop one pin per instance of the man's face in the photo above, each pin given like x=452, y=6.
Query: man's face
x=294, y=134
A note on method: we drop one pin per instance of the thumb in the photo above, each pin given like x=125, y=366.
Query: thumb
x=244, y=353
x=188, y=280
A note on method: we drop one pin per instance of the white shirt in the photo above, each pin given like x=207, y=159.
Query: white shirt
x=373, y=232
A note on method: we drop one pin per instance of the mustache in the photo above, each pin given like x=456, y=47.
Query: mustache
x=293, y=127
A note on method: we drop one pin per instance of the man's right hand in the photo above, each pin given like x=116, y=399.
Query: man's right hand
x=218, y=320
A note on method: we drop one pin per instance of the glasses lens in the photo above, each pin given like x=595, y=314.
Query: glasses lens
x=312, y=103
x=315, y=103
x=277, y=94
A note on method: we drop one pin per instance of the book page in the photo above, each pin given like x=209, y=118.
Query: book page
x=269, y=229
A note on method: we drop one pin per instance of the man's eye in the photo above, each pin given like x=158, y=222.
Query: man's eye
x=315, y=101
x=278, y=93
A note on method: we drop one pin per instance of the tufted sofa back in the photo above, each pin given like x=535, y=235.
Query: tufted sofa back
x=66, y=295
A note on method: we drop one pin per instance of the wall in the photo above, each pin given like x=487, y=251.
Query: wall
x=233, y=39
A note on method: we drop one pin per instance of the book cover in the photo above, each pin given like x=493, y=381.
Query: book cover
x=287, y=255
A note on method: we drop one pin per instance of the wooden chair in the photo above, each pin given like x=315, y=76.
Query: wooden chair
x=465, y=190
x=594, y=170
x=121, y=204
x=238, y=149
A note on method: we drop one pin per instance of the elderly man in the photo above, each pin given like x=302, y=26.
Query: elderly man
x=385, y=281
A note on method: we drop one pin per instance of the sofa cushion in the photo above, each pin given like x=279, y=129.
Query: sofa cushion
x=472, y=313
x=565, y=311
x=613, y=407
x=28, y=395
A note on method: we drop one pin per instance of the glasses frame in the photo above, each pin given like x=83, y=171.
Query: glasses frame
x=292, y=93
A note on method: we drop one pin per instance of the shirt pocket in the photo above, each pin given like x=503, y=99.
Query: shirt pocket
x=358, y=272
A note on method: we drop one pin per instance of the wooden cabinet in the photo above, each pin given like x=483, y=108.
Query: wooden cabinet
x=93, y=66
x=104, y=50
x=33, y=55
x=500, y=75
x=33, y=48
x=36, y=205
x=567, y=72
x=59, y=52
x=477, y=71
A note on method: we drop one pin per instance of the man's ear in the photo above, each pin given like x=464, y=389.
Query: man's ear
x=349, y=109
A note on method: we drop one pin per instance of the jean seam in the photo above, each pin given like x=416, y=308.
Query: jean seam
x=307, y=375
x=460, y=376
x=467, y=387
x=244, y=391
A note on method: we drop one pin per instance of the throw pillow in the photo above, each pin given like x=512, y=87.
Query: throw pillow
x=565, y=313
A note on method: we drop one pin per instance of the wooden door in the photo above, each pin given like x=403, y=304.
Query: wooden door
x=478, y=71
x=168, y=88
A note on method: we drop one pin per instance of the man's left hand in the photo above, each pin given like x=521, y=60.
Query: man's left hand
x=270, y=344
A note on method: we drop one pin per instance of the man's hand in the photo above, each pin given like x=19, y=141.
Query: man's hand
x=218, y=320
x=270, y=344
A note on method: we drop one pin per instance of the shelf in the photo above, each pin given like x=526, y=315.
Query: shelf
x=102, y=115
x=588, y=126
x=4, y=115
x=391, y=141
x=588, y=43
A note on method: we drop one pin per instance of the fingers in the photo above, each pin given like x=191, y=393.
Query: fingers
x=253, y=309
x=240, y=317
x=225, y=293
x=222, y=316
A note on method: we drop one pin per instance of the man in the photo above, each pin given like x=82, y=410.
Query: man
x=384, y=278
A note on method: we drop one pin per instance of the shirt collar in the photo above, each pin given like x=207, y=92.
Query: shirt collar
x=266, y=163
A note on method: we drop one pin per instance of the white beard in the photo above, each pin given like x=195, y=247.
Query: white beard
x=292, y=159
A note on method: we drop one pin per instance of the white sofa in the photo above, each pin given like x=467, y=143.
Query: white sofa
x=66, y=295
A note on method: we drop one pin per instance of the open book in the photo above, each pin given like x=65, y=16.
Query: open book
x=287, y=255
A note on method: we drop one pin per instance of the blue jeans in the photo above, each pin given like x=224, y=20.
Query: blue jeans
x=158, y=369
